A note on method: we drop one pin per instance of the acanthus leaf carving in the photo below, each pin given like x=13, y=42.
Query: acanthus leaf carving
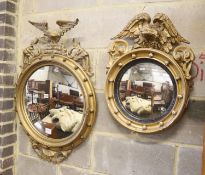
x=50, y=155
x=116, y=49
x=29, y=53
x=161, y=34
x=184, y=57
x=81, y=56
x=49, y=44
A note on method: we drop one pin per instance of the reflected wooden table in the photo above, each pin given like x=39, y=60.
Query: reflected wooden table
x=51, y=130
x=48, y=129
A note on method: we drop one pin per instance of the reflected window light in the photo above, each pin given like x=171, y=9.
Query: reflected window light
x=142, y=68
x=56, y=69
x=155, y=73
x=155, y=70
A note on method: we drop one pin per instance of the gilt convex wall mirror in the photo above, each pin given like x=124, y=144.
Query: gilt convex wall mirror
x=148, y=80
x=55, y=100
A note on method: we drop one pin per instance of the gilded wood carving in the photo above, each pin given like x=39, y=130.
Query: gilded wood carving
x=157, y=49
x=57, y=112
x=49, y=44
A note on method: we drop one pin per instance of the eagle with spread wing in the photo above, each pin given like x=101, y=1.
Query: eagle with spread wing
x=55, y=36
x=160, y=35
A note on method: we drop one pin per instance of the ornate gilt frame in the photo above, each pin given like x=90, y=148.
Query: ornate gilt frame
x=46, y=51
x=160, y=42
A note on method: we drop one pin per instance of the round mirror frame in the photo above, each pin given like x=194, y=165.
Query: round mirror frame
x=156, y=40
x=181, y=84
x=45, y=51
x=40, y=140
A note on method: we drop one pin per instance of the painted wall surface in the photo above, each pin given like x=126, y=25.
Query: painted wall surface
x=112, y=149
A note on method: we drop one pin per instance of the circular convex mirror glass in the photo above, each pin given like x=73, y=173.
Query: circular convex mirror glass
x=145, y=90
x=54, y=102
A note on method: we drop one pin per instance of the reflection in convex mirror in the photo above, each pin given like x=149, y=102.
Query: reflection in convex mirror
x=146, y=91
x=149, y=81
x=54, y=102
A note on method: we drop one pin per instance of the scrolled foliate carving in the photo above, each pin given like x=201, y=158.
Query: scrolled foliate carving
x=49, y=44
x=184, y=57
x=81, y=56
x=116, y=49
x=47, y=50
x=150, y=76
x=29, y=53
x=159, y=34
x=55, y=156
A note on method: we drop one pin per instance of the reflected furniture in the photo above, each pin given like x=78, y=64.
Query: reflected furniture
x=148, y=79
x=56, y=114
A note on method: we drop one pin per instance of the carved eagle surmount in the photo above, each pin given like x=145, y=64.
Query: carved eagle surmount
x=54, y=36
x=161, y=34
